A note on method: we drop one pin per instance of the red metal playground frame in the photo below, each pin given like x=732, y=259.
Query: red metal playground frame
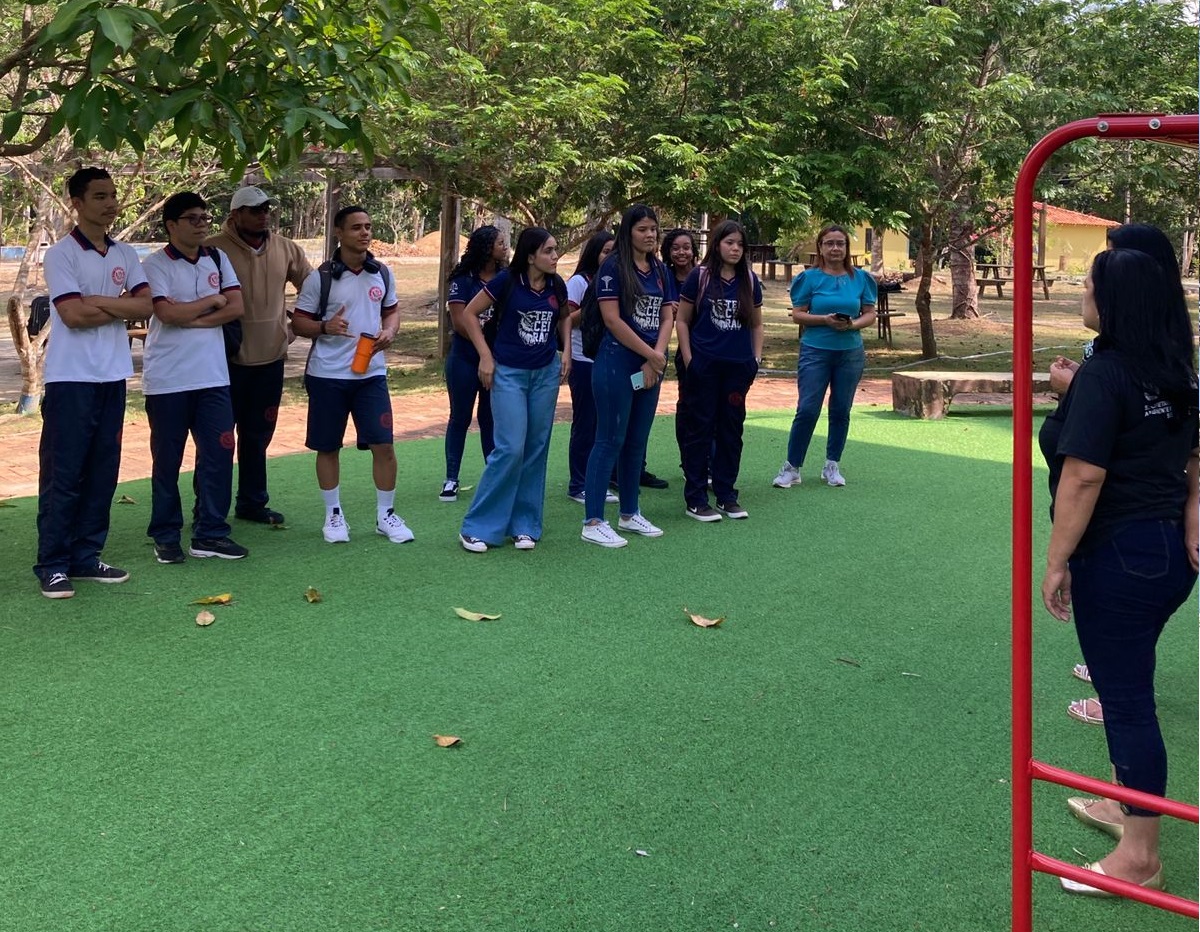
x=1171, y=129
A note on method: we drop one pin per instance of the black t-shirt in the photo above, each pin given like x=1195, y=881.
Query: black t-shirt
x=1107, y=420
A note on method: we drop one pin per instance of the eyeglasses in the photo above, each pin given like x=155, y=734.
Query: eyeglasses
x=835, y=243
x=197, y=220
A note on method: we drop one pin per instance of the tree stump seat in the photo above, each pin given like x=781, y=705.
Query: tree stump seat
x=928, y=394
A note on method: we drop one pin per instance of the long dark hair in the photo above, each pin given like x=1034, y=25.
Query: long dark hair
x=589, y=258
x=1140, y=319
x=669, y=241
x=478, y=253
x=1153, y=242
x=714, y=264
x=631, y=286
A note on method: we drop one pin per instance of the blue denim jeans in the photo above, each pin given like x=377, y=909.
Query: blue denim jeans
x=512, y=489
x=1124, y=591
x=623, y=421
x=462, y=385
x=819, y=370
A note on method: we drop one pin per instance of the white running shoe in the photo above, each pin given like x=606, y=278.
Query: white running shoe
x=603, y=534
x=637, y=524
x=336, y=530
x=392, y=527
x=611, y=497
x=831, y=474
x=789, y=476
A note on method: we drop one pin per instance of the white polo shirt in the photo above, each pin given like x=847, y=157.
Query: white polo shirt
x=364, y=295
x=75, y=268
x=183, y=359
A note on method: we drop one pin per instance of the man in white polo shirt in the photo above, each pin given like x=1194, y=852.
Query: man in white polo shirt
x=361, y=300
x=185, y=379
x=96, y=285
x=265, y=262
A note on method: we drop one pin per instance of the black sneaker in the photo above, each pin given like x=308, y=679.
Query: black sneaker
x=168, y=553
x=449, y=491
x=732, y=510
x=651, y=481
x=702, y=513
x=57, y=586
x=221, y=547
x=262, y=515
x=102, y=573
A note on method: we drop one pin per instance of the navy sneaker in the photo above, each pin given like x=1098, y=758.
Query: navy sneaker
x=168, y=553
x=221, y=547
x=57, y=586
x=102, y=573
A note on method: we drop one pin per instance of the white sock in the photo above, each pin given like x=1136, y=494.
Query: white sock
x=384, y=502
x=333, y=499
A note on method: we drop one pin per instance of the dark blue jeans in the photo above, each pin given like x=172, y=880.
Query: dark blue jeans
x=583, y=424
x=1124, y=591
x=462, y=385
x=79, y=459
x=623, y=421
x=839, y=371
x=206, y=414
x=713, y=423
x=256, y=392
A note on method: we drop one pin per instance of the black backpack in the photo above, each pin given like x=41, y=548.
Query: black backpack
x=591, y=321
x=231, y=330
x=333, y=268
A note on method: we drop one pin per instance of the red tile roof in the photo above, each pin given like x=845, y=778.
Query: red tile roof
x=1064, y=217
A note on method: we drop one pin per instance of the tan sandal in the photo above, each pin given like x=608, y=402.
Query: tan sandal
x=1088, y=711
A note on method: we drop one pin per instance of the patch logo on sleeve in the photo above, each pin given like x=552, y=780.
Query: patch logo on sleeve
x=376, y=293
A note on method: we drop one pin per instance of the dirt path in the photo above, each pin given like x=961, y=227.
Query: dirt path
x=419, y=415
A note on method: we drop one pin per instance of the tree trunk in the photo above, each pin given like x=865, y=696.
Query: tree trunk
x=31, y=351
x=964, y=303
x=923, y=305
x=876, y=249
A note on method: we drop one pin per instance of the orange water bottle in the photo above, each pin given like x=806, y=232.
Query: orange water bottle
x=363, y=353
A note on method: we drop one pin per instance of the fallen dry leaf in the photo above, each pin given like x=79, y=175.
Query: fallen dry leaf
x=642, y=853
x=701, y=622
x=311, y=595
x=126, y=500
x=474, y=616
x=848, y=661
x=279, y=527
x=205, y=618
x=223, y=599
x=447, y=741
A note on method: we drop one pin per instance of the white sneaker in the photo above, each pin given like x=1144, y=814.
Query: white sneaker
x=524, y=542
x=638, y=524
x=392, y=527
x=788, y=476
x=336, y=530
x=611, y=497
x=577, y=497
x=603, y=534
x=831, y=474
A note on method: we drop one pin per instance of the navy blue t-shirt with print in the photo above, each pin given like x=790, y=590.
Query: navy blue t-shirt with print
x=462, y=289
x=525, y=336
x=658, y=287
x=716, y=331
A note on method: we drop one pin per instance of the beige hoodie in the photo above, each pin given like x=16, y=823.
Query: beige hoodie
x=263, y=276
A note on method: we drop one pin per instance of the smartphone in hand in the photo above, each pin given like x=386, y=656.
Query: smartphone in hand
x=638, y=380
x=845, y=318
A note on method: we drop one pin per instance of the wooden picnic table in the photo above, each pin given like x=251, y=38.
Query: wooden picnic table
x=990, y=276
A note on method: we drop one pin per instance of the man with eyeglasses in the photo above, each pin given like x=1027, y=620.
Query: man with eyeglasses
x=96, y=284
x=265, y=262
x=185, y=379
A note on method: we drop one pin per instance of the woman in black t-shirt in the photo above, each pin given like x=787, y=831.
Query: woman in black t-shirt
x=1123, y=553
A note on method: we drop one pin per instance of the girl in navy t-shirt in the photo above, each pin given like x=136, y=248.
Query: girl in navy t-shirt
x=522, y=370
x=637, y=296
x=680, y=254
x=485, y=255
x=720, y=340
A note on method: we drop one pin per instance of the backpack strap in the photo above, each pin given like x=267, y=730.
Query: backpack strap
x=325, y=271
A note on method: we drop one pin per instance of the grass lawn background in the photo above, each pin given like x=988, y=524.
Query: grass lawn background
x=276, y=771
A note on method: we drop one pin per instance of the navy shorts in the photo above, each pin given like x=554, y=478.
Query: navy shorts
x=332, y=401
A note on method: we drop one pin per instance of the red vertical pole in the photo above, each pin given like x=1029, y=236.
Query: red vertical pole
x=1173, y=128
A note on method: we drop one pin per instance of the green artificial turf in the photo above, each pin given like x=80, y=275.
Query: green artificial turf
x=834, y=756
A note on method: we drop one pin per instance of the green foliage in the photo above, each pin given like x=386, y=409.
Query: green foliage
x=256, y=82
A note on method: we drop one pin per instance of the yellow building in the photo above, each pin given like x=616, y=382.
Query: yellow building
x=1072, y=238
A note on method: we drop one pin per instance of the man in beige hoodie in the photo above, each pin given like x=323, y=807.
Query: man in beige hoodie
x=264, y=263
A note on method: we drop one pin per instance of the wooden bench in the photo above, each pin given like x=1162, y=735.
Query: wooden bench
x=928, y=394
x=768, y=268
x=136, y=333
x=999, y=284
x=883, y=317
